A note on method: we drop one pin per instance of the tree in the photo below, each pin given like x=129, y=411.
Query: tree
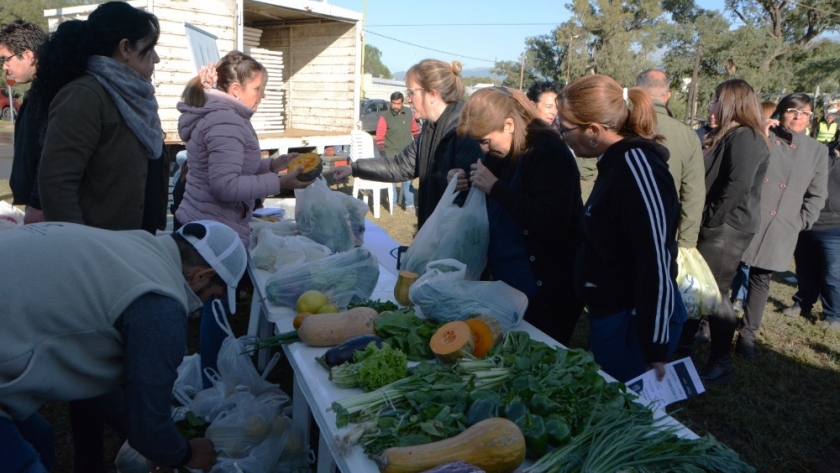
x=33, y=10
x=373, y=63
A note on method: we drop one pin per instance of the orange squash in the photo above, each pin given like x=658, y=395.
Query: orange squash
x=486, y=332
x=452, y=341
x=312, y=166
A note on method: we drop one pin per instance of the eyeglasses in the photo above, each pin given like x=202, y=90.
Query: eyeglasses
x=796, y=113
x=3, y=59
x=563, y=131
x=414, y=91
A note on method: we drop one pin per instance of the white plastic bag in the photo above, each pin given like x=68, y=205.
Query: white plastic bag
x=235, y=367
x=189, y=375
x=356, y=212
x=322, y=216
x=10, y=216
x=443, y=295
x=236, y=432
x=129, y=460
x=273, y=251
x=697, y=284
x=344, y=277
x=460, y=233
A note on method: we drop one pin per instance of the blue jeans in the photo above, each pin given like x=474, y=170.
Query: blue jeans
x=817, y=259
x=210, y=341
x=26, y=446
x=740, y=283
x=614, y=341
x=407, y=191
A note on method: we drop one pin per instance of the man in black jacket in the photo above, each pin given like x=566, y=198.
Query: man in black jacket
x=19, y=42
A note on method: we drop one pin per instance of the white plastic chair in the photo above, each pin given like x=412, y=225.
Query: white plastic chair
x=362, y=146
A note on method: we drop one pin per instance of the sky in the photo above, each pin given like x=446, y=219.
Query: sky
x=499, y=33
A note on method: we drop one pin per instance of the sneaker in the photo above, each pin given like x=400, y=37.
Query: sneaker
x=793, y=311
x=831, y=323
x=717, y=371
x=410, y=210
x=745, y=350
x=702, y=336
x=738, y=306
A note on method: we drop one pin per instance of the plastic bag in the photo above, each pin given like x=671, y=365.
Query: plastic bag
x=285, y=227
x=343, y=277
x=236, y=432
x=211, y=402
x=356, y=212
x=460, y=233
x=235, y=367
x=443, y=295
x=322, y=216
x=189, y=381
x=10, y=216
x=697, y=284
x=273, y=251
x=129, y=460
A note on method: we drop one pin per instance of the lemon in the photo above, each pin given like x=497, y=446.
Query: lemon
x=311, y=301
x=328, y=309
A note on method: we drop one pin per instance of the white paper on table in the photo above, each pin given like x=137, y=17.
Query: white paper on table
x=681, y=382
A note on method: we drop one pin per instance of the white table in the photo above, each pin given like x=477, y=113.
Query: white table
x=313, y=393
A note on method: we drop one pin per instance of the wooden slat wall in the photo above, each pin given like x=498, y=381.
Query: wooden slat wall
x=270, y=116
x=319, y=71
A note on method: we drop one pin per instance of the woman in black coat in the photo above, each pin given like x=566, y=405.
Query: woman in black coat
x=533, y=206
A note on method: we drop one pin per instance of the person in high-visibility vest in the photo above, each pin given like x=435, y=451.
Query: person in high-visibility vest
x=826, y=130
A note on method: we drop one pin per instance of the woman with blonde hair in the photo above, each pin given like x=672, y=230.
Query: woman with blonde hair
x=626, y=266
x=435, y=92
x=534, y=204
x=736, y=162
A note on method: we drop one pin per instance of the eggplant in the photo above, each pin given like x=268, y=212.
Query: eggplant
x=455, y=467
x=343, y=353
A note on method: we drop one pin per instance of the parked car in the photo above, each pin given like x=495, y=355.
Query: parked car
x=5, y=110
x=371, y=110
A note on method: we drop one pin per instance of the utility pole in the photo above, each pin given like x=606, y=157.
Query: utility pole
x=521, y=71
x=495, y=64
x=364, y=25
x=569, y=58
x=691, y=108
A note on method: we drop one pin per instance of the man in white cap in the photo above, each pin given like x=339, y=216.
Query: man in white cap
x=92, y=313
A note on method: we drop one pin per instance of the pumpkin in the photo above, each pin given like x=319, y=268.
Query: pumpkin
x=404, y=282
x=452, y=341
x=495, y=445
x=312, y=166
x=327, y=330
x=486, y=331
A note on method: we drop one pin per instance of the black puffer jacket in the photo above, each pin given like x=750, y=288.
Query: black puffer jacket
x=830, y=214
x=431, y=166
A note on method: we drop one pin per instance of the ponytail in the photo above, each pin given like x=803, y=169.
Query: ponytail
x=642, y=118
x=194, y=94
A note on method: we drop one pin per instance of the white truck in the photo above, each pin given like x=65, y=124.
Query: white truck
x=312, y=51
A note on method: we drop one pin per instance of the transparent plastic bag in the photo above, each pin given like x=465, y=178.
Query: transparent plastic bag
x=10, y=216
x=697, y=284
x=460, y=233
x=443, y=295
x=237, y=432
x=345, y=277
x=273, y=252
x=356, y=212
x=322, y=216
x=189, y=375
x=129, y=460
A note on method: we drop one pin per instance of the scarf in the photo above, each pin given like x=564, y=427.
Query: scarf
x=134, y=97
x=429, y=141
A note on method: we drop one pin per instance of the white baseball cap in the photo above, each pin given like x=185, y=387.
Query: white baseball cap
x=221, y=247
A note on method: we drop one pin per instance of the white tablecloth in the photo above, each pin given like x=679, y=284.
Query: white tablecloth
x=313, y=391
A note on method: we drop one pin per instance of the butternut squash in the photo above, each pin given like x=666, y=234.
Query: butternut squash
x=404, y=282
x=326, y=330
x=495, y=445
x=452, y=341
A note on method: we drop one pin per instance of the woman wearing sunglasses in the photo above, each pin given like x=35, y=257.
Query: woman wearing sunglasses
x=792, y=194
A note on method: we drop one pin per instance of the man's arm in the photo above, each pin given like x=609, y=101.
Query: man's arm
x=381, y=131
x=692, y=196
x=154, y=331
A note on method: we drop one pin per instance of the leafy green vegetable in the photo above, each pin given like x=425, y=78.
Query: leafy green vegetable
x=378, y=305
x=192, y=426
x=271, y=342
x=372, y=368
x=404, y=330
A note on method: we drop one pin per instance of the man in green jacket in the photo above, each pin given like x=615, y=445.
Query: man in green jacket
x=689, y=173
x=686, y=161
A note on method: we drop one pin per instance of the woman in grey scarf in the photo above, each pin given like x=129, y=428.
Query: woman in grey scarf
x=102, y=152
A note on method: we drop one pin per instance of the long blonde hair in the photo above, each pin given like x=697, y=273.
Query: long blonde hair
x=486, y=112
x=600, y=99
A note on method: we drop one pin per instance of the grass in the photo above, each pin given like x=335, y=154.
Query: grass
x=780, y=414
